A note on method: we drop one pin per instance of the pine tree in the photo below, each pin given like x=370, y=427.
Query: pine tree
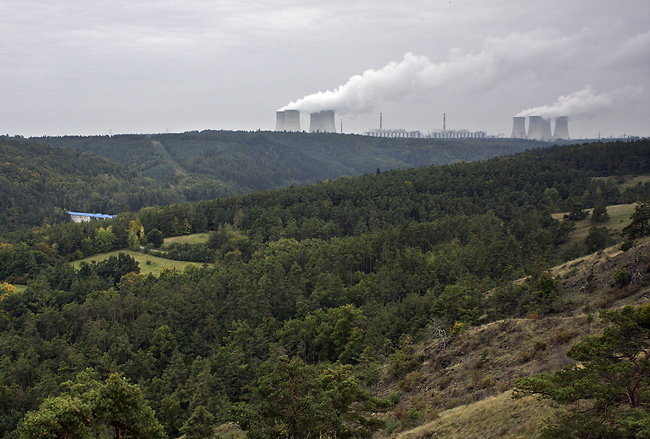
x=607, y=390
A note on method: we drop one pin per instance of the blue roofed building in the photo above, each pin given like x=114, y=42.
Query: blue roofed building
x=79, y=217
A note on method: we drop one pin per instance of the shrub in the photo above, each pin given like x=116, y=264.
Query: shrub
x=621, y=277
x=562, y=336
x=444, y=382
x=487, y=382
x=155, y=238
x=523, y=357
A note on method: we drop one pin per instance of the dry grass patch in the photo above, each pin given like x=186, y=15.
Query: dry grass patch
x=494, y=417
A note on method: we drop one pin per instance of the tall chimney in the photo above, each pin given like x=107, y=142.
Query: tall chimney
x=292, y=120
x=279, y=121
x=518, y=127
x=327, y=123
x=315, y=122
x=561, y=128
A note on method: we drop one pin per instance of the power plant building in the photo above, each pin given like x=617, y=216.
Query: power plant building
x=394, y=134
x=456, y=134
x=319, y=122
x=561, y=128
x=518, y=127
x=327, y=123
x=314, y=122
x=546, y=129
x=279, y=121
x=539, y=128
x=292, y=120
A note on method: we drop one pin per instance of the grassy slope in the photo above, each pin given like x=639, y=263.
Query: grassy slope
x=148, y=263
x=498, y=416
x=464, y=384
x=619, y=217
x=195, y=238
x=153, y=264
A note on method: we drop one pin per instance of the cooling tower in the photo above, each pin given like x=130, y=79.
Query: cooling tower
x=292, y=120
x=518, y=127
x=327, y=124
x=546, y=129
x=279, y=121
x=561, y=128
x=314, y=122
x=536, y=128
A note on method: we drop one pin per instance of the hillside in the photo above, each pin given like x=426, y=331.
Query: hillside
x=210, y=164
x=474, y=372
x=385, y=299
x=38, y=184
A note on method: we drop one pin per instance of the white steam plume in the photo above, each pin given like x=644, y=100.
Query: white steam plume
x=362, y=92
x=581, y=103
x=417, y=77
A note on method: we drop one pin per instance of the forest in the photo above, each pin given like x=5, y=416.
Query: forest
x=41, y=178
x=318, y=285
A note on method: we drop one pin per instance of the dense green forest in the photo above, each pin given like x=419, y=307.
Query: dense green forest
x=208, y=164
x=39, y=184
x=316, y=285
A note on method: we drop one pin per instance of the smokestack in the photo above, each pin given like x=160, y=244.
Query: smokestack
x=561, y=128
x=279, y=121
x=327, y=123
x=292, y=120
x=315, y=122
x=518, y=127
x=539, y=128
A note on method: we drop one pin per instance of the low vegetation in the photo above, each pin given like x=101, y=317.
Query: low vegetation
x=147, y=262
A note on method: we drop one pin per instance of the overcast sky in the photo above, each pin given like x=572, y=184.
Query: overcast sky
x=141, y=66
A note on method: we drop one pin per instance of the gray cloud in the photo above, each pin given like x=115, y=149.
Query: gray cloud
x=78, y=67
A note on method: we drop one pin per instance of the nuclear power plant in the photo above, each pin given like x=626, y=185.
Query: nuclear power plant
x=539, y=128
x=292, y=120
x=561, y=128
x=279, y=121
x=518, y=127
x=319, y=122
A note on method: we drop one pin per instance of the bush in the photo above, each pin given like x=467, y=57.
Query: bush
x=621, y=277
x=155, y=238
x=627, y=245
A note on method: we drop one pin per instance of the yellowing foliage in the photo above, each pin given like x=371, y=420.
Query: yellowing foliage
x=6, y=290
